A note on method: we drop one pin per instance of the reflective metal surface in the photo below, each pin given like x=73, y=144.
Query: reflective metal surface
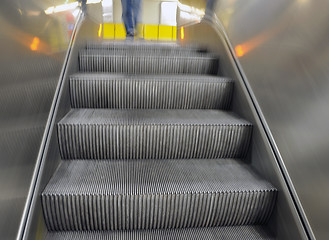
x=33, y=43
x=285, y=222
x=283, y=49
x=86, y=30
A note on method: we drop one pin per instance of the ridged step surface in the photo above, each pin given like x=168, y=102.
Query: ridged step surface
x=218, y=233
x=94, y=60
x=152, y=134
x=146, y=91
x=155, y=194
x=139, y=46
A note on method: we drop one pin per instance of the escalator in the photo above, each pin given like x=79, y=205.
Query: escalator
x=156, y=140
x=151, y=150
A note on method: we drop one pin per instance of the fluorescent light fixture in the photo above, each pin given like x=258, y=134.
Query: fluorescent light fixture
x=75, y=12
x=107, y=3
x=66, y=7
x=192, y=10
x=93, y=1
x=49, y=10
x=61, y=8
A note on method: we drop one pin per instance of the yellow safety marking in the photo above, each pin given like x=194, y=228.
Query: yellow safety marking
x=146, y=31
x=140, y=30
x=151, y=32
x=119, y=31
x=108, y=30
x=165, y=33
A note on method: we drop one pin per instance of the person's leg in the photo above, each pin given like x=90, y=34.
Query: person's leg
x=136, y=9
x=127, y=16
x=210, y=8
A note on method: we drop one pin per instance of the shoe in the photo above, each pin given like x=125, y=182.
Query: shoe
x=130, y=36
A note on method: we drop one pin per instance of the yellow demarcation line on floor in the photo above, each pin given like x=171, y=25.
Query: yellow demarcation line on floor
x=145, y=31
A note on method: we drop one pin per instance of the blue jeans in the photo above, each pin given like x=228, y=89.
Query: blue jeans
x=211, y=4
x=130, y=15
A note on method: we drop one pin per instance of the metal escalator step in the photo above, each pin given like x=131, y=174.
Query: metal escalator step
x=223, y=233
x=150, y=91
x=104, y=61
x=152, y=134
x=153, y=194
x=153, y=51
x=159, y=47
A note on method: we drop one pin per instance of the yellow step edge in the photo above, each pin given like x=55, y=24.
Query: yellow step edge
x=165, y=33
x=151, y=32
x=119, y=31
x=146, y=31
x=174, y=33
x=140, y=30
x=108, y=30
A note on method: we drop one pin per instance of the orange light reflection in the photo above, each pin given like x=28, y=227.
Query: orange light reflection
x=35, y=44
x=182, y=33
x=245, y=47
x=239, y=51
x=100, y=30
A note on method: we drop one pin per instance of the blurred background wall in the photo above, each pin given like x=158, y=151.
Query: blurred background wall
x=34, y=38
x=283, y=48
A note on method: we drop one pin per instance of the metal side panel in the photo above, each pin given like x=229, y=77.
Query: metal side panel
x=30, y=66
x=285, y=221
x=290, y=41
x=49, y=161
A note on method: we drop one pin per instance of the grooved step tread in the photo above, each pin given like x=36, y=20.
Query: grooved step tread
x=152, y=134
x=138, y=47
x=152, y=194
x=147, y=53
x=222, y=233
x=144, y=62
x=148, y=77
x=150, y=51
x=152, y=117
x=155, y=176
x=92, y=90
x=141, y=45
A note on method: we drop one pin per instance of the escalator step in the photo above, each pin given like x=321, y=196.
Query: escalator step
x=223, y=233
x=91, y=60
x=139, y=46
x=152, y=134
x=152, y=51
x=155, y=194
x=147, y=91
